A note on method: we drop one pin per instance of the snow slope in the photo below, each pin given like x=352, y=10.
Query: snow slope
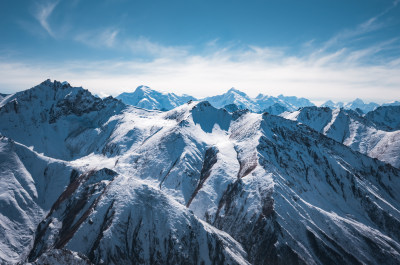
x=116, y=219
x=234, y=96
x=147, y=98
x=353, y=105
x=57, y=119
x=259, y=104
x=2, y=96
x=386, y=117
x=200, y=184
x=374, y=134
x=30, y=183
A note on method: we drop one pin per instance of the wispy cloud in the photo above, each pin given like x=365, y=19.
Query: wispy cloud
x=99, y=38
x=350, y=35
x=143, y=45
x=109, y=38
x=42, y=14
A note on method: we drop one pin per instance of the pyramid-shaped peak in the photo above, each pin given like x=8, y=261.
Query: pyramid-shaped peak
x=143, y=88
x=236, y=91
x=358, y=100
x=260, y=96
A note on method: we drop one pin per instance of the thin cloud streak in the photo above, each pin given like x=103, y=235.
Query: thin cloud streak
x=42, y=15
x=110, y=38
x=99, y=38
x=348, y=35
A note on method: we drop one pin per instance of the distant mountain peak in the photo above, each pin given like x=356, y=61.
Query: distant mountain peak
x=260, y=95
x=148, y=98
x=236, y=91
x=144, y=88
x=358, y=101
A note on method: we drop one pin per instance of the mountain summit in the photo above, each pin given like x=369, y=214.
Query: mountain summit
x=147, y=98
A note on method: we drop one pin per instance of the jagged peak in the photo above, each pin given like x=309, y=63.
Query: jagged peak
x=55, y=84
x=261, y=96
x=202, y=105
x=204, y=114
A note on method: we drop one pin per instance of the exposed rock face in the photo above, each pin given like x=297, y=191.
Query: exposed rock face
x=194, y=185
x=116, y=220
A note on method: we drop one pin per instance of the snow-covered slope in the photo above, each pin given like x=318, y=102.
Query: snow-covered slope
x=116, y=219
x=289, y=103
x=359, y=104
x=61, y=257
x=259, y=104
x=275, y=109
x=333, y=105
x=393, y=103
x=57, y=119
x=2, y=96
x=198, y=183
x=233, y=96
x=147, y=98
x=386, y=117
x=30, y=184
x=371, y=134
x=285, y=192
x=353, y=105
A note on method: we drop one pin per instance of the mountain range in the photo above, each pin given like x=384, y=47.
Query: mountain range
x=376, y=134
x=147, y=98
x=86, y=180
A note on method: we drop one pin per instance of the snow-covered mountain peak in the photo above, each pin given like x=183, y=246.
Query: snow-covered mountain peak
x=360, y=104
x=236, y=91
x=208, y=117
x=51, y=113
x=387, y=117
x=147, y=98
x=375, y=134
x=145, y=89
x=260, y=96
x=353, y=105
x=357, y=101
x=332, y=104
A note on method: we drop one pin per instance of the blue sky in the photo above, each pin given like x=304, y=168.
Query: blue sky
x=321, y=50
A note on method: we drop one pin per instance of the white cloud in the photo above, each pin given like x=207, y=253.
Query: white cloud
x=332, y=70
x=43, y=13
x=261, y=70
